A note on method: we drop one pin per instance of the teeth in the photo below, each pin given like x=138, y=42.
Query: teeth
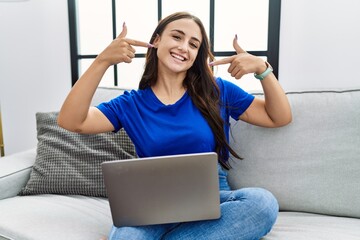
x=178, y=57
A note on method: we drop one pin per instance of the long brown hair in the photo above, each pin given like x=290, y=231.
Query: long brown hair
x=199, y=82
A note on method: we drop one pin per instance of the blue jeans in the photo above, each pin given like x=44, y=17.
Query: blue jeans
x=247, y=213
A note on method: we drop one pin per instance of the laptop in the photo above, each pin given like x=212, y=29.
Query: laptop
x=166, y=189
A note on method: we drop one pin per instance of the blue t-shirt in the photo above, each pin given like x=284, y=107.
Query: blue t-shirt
x=157, y=129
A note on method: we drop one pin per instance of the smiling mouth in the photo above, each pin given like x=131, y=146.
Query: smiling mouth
x=178, y=57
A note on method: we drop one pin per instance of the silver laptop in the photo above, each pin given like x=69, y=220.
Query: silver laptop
x=167, y=189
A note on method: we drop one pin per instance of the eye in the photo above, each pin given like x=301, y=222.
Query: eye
x=176, y=37
x=193, y=45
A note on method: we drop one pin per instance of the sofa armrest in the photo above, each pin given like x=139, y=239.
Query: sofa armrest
x=15, y=172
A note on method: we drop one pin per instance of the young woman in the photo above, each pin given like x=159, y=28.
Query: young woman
x=180, y=105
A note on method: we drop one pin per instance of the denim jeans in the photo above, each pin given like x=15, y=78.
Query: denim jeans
x=247, y=213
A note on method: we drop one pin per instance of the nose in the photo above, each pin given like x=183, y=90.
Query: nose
x=182, y=47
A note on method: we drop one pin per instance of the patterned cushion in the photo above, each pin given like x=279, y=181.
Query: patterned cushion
x=69, y=163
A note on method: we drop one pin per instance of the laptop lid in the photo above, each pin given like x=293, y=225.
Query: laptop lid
x=166, y=189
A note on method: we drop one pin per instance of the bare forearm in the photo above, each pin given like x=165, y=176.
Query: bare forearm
x=76, y=106
x=276, y=103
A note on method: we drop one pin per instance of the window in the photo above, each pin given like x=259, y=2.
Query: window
x=94, y=23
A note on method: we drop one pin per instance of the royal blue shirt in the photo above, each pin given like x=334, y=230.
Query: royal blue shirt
x=157, y=129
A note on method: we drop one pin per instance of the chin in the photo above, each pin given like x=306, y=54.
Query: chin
x=178, y=69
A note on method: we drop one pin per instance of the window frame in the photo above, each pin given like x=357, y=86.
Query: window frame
x=272, y=52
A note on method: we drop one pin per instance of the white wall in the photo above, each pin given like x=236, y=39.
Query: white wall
x=319, y=49
x=320, y=44
x=34, y=66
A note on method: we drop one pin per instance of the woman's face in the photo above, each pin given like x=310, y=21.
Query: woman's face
x=178, y=45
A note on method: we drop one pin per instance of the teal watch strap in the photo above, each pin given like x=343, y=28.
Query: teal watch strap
x=268, y=70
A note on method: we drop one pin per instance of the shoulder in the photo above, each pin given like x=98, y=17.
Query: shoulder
x=234, y=96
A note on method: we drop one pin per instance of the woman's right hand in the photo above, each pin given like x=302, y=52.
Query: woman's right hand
x=76, y=114
x=121, y=49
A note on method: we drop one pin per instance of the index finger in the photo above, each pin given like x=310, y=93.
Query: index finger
x=222, y=61
x=138, y=43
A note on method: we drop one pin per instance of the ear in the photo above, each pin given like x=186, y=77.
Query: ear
x=156, y=41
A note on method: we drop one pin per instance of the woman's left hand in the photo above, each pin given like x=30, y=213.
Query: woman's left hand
x=242, y=63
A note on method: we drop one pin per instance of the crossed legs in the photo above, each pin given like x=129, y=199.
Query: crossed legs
x=247, y=213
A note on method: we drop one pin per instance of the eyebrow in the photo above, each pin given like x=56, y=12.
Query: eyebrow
x=183, y=33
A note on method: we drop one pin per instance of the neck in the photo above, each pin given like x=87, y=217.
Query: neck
x=169, y=88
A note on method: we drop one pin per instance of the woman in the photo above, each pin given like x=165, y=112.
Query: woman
x=182, y=106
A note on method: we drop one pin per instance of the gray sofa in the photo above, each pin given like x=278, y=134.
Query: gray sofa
x=312, y=166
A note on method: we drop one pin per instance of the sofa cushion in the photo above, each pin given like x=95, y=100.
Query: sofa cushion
x=310, y=165
x=79, y=217
x=15, y=171
x=305, y=226
x=55, y=217
x=69, y=163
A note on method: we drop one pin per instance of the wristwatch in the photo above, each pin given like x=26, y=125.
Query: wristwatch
x=268, y=70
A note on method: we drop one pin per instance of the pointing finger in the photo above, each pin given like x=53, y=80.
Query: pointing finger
x=131, y=41
x=139, y=43
x=237, y=47
x=222, y=61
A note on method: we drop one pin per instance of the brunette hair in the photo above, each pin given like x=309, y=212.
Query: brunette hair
x=199, y=82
